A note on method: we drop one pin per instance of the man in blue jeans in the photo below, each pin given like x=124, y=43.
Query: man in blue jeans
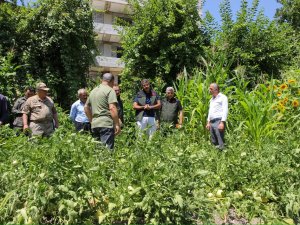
x=217, y=116
x=101, y=109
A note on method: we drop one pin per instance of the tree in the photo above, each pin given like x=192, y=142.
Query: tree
x=57, y=42
x=264, y=47
x=289, y=12
x=53, y=40
x=165, y=37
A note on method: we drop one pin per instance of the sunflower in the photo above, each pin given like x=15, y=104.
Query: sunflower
x=279, y=94
x=282, y=102
x=281, y=108
x=292, y=81
x=295, y=103
x=283, y=86
x=285, y=100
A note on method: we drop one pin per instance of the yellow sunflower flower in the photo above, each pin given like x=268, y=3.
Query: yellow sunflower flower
x=279, y=94
x=283, y=86
x=295, y=103
x=285, y=100
x=281, y=108
x=292, y=81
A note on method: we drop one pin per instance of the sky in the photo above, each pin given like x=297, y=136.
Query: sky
x=268, y=6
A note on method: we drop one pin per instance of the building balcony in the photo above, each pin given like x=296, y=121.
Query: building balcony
x=109, y=62
x=116, y=6
x=106, y=32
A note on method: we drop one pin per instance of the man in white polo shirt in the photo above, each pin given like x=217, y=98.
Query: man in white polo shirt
x=217, y=116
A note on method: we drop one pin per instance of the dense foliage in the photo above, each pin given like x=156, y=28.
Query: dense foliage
x=262, y=46
x=175, y=178
x=165, y=37
x=53, y=40
x=289, y=12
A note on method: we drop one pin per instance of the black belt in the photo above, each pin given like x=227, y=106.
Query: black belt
x=215, y=120
x=43, y=121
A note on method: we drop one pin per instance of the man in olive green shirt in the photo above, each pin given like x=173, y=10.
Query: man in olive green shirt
x=101, y=110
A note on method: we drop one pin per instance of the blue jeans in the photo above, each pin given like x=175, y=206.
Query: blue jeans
x=105, y=135
x=82, y=126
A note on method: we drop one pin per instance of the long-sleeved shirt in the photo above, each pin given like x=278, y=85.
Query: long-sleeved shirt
x=3, y=110
x=17, y=111
x=77, y=112
x=218, y=107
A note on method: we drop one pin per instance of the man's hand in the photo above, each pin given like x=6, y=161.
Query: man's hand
x=117, y=130
x=25, y=127
x=147, y=107
x=208, y=126
x=221, y=126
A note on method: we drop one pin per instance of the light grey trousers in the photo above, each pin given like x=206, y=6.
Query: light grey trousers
x=217, y=136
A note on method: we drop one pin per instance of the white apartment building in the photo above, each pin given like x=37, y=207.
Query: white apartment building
x=108, y=39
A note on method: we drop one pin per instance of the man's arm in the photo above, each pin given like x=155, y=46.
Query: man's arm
x=25, y=121
x=17, y=107
x=138, y=107
x=55, y=117
x=224, y=113
x=180, y=117
x=114, y=114
x=88, y=112
x=156, y=106
x=73, y=112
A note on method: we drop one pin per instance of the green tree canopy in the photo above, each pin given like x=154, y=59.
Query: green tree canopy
x=54, y=39
x=289, y=12
x=164, y=38
x=264, y=47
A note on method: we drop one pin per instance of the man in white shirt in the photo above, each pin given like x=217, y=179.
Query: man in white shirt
x=217, y=116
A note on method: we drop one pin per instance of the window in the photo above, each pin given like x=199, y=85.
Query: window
x=98, y=17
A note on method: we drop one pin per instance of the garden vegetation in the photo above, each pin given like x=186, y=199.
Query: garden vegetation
x=177, y=177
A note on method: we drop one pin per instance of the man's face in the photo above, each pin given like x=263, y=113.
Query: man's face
x=117, y=90
x=42, y=94
x=169, y=94
x=213, y=90
x=83, y=97
x=29, y=93
x=146, y=87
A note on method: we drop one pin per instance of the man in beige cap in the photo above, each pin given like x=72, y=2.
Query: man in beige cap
x=41, y=112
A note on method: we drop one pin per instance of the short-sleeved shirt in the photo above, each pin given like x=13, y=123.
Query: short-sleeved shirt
x=151, y=112
x=170, y=109
x=99, y=100
x=39, y=110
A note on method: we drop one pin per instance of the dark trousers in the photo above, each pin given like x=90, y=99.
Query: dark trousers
x=105, y=135
x=82, y=126
x=217, y=136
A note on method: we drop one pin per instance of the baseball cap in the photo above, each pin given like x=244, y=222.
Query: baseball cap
x=42, y=86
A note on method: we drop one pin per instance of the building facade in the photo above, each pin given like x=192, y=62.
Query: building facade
x=105, y=13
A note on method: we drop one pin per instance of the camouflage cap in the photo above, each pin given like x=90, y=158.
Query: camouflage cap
x=42, y=86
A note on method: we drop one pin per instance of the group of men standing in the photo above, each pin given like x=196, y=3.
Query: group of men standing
x=102, y=111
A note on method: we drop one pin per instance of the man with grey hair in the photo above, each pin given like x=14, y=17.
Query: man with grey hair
x=217, y=116
x=146, y=104
x=171, y=109
x=77, y=113
x=101, y=110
